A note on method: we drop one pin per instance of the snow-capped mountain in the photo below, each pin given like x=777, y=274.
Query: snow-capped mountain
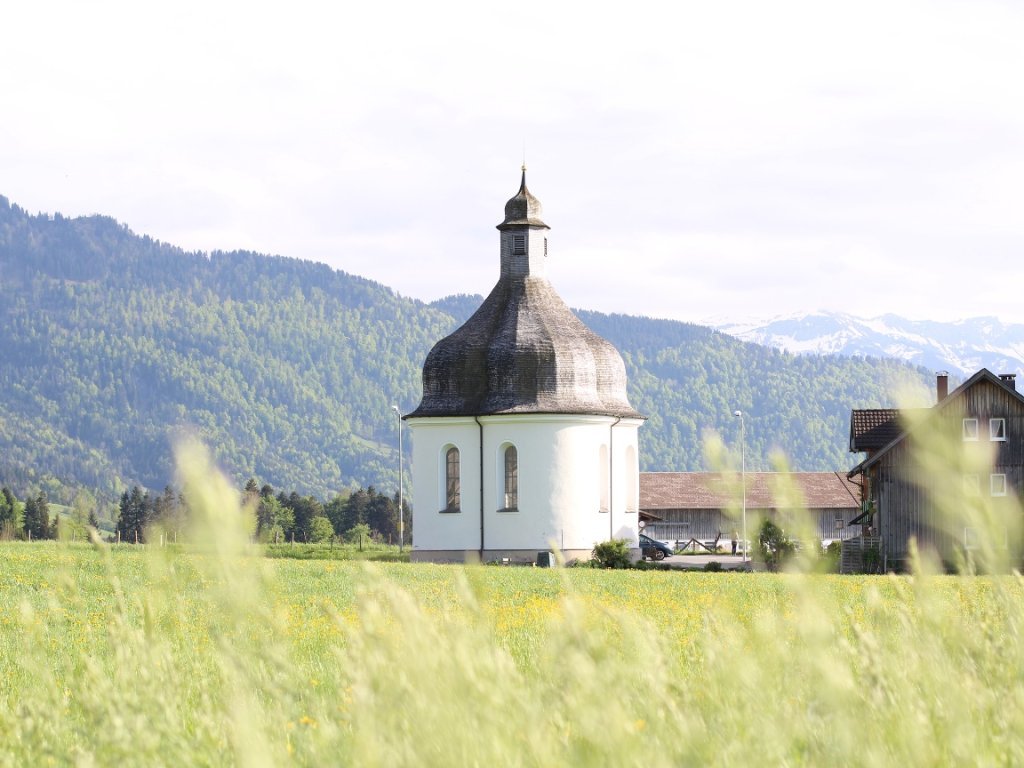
x=962, y=347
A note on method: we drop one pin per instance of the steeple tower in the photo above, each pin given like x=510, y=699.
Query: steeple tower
x=524, y=242
x=523, y=350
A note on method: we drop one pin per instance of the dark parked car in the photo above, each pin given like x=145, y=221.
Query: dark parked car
x=655, y=550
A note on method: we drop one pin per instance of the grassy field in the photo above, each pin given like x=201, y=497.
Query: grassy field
x=221, y=656
x=119, y=656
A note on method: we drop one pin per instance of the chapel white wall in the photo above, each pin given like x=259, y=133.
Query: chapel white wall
x=560, y=482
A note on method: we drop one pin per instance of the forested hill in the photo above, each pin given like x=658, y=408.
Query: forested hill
x=110, y=342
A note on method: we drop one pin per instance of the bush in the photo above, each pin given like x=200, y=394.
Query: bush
x=320, y=529
x=611, y=554
x=713, y=567
x=774, y=547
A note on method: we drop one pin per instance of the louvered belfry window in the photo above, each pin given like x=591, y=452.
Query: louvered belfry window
x=518, y=245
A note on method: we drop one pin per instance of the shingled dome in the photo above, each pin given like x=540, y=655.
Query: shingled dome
x=523, y=351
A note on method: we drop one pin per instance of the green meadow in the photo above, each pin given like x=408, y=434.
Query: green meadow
x=119, y=656
x=219, y=655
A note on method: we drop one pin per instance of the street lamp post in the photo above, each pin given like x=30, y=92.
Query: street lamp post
x=401, y=479
x=743, y=476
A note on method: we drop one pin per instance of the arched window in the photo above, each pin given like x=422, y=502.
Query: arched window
x=452, y=481
x=510, y=496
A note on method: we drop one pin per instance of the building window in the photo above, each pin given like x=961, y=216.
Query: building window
x=971, y=485
x=545, y=246
x=970, y=538
x=452, y=481
x=970, y=429
x=510, y=497
x=997, y=429
x=997, y=485
x=518, y=245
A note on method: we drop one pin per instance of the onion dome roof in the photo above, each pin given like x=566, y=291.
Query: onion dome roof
x=523, y=209
x=524, y=351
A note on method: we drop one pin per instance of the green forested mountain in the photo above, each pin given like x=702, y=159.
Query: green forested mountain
x=110, y=343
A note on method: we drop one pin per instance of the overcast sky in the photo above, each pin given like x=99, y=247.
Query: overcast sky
x=695, y=160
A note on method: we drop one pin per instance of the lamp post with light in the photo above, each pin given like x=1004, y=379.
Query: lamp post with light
x=401, y=487
x=743, y=476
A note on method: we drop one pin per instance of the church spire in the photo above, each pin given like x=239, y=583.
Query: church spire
x=523, y=210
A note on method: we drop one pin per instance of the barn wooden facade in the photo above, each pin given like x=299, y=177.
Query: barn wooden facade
x=679, y=506
x=935, y=464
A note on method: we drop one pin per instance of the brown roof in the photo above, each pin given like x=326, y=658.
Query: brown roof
x=716, y=490
x=872, y=428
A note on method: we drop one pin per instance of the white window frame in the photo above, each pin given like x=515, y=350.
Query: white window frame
x=997, y=484
x=970, y=429
x=997, y=430
x=970, y=538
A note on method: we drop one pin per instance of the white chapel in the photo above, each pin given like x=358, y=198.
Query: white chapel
x=524, y=441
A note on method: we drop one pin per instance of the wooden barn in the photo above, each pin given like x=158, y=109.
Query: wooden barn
x=921, y=463
x=680, y=506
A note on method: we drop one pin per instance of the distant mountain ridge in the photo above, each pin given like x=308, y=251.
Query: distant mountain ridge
x=111, y=343
x=960, y=347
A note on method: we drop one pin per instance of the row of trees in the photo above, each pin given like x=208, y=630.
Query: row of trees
x=276, y=517
x=291, y=517
x=29, y=519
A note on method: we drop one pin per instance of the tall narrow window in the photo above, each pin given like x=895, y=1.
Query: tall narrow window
x=997, y=429
x=518, y=245
x=511, y=500
x=452, y=481
x=970, y=429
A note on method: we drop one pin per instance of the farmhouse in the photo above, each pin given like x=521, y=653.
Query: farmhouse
x=524, y=439
x=924, y=467
x=706, y=506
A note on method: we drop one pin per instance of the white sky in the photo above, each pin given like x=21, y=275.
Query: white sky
x=704, y=159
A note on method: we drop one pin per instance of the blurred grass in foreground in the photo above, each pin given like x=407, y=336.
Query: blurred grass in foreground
x=222, y=657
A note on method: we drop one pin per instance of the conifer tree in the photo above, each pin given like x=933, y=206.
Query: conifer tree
x=134, y=516
x=37, y=517
x=10, y=521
